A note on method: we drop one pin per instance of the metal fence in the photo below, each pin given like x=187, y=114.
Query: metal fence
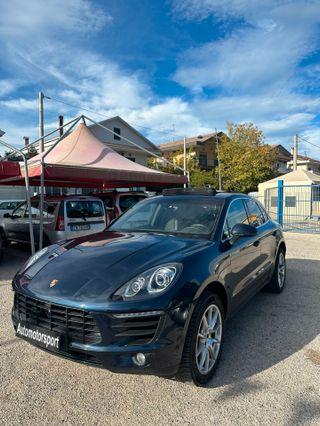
x=295, y=207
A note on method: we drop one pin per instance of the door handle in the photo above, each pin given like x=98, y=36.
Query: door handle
x=256, y=243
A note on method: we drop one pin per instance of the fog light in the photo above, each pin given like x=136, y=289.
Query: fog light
x=139, y=359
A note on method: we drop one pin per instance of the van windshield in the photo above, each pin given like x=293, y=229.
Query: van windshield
x=84, y=208
x=196, y=216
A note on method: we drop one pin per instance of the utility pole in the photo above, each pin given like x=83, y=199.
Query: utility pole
x=41, y=125
x=218, y=158
x=295, y=152
x=185, y=158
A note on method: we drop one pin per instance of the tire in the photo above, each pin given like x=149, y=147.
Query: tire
x=5, y=242
x=1, y=248
x=278, y=280
x=46, y=241
x=191, y=363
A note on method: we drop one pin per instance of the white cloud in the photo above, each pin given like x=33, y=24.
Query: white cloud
x=7, y=86
x=20, y=104
x=265, y=53
x=22, y=19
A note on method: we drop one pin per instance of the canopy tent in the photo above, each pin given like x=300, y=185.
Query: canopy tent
x=82, y=160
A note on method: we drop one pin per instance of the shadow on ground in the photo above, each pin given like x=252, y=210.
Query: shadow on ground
x=14, y=257
x=271, y=327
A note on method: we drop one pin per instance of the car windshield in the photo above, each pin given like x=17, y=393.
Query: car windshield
x=196, y=216
x=84, y=208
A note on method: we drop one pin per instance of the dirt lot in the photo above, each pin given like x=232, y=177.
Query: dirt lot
x=269, y=373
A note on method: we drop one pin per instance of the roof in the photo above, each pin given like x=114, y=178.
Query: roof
x=297, y=176
x=283, y=153
x=305, y=158
x=82, y=160
x=190, y=142
x=117, y=117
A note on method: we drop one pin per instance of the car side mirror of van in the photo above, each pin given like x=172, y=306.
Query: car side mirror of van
x=242, y=230
x=7, y=215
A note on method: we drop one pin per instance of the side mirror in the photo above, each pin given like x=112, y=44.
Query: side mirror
x=7, y=215
x=242, y=230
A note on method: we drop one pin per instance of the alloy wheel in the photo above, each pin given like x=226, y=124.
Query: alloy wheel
x=281, y=269
x=209, y=339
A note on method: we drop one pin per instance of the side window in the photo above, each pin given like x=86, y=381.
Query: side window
x=19, y=211
x=255, y=215
x=35, y=212
x=236, y=214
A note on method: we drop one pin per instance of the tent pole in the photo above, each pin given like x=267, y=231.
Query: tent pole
x=26, y=178
x=41, y=204
x=42, y=180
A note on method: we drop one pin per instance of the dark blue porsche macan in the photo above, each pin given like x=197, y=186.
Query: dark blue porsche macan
x=152, y=293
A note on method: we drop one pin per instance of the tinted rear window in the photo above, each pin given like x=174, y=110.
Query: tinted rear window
x=83, y=208
x=128, y=201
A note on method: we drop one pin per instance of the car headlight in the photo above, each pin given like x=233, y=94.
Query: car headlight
x=150, y=283
x=35, y=257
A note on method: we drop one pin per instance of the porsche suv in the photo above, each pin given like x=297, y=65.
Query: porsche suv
x=152, y=293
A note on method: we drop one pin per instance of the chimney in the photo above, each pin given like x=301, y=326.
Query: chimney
x=60, y=121
x=26, y=140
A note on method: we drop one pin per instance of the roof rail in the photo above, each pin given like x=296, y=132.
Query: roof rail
x=190, y=191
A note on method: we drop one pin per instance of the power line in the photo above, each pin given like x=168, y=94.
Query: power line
x=104, y=116
x=311, y=143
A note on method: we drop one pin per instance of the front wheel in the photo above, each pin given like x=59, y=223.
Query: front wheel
x=204, y=340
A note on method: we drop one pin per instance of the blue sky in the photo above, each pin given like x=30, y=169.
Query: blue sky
x=187, y=65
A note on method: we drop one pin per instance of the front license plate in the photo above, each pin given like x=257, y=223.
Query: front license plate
x=47, y=339
x=85, y=227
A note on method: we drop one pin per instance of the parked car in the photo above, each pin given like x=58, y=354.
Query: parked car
x=65, y=217
x=117, y=202
x=8, y=206
x=152, y=293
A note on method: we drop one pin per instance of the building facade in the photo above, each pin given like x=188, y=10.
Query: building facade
x=202, y=147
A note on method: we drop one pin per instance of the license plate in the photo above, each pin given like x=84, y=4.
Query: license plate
x=85, y=227
x=46, y=339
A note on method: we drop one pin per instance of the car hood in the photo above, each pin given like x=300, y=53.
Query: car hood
x=90, y=269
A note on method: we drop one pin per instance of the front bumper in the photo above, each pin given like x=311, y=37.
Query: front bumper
x=111, y=340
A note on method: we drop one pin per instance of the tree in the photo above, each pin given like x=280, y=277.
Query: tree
x=245, y=159
x=198, y=177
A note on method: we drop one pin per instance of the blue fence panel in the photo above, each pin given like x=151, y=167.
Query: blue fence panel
x=296, y=207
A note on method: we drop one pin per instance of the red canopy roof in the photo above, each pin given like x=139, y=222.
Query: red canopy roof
x=82, y=160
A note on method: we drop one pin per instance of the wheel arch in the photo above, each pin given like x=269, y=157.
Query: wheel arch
x=283, y=246
x=218, y=288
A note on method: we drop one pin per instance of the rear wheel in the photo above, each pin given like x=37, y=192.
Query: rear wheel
x=204, y=340
x=278, y=280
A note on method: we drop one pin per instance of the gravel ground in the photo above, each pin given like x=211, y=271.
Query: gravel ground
x=269, y=372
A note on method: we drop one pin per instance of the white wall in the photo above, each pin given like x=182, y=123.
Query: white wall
x=122, y=146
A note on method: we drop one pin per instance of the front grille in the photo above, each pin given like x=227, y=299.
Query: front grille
x=78, y=325
x=134, y=330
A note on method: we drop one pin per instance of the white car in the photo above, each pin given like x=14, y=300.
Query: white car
x=64, y=218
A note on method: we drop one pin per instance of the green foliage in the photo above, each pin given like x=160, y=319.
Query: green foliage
x=245, y=159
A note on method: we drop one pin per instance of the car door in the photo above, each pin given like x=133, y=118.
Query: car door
x=244, y=254
x=14, y=224
x=259, y=219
